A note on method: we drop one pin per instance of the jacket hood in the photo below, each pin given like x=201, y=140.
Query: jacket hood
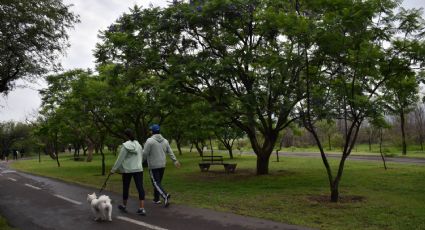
x=131, y=146
x=158, y=137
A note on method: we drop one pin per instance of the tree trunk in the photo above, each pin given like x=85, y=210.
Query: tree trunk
x=200, y=149
x=103, y=162
x=403, y=134
x=329, y=142
x=57, y=159
x=56, y=150
x=90, y=154
x=179, y=147
x=263, y=163
x=277, y=155
x=334, y=192
x=230, y=152
x=370, y=143
x=380, y=148
x=228, y=146
x=211, y=147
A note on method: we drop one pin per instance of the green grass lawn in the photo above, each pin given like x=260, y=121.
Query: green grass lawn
x=292, y=193
x=4, y=225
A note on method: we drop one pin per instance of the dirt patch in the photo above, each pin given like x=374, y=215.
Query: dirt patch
x=325, y=199
x=219, y=174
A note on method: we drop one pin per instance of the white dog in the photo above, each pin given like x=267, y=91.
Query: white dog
x=101, y=207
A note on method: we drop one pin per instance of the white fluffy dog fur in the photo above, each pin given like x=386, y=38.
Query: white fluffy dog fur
x=101, y=207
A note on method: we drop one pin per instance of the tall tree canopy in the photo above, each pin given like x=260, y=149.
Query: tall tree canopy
x=32, y=35
x=348, y=66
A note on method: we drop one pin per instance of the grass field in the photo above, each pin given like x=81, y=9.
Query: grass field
x=292, y=193
x=4, y=225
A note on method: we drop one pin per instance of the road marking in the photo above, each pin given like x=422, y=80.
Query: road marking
x=8, y=171
x=67, y=199
x=10, y=178
x=140, y=223
x=32, y=186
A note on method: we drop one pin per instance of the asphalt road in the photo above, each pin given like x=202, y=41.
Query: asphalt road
x=34, y=203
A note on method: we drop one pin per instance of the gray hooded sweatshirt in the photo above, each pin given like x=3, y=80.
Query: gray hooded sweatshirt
x=154, y=151
x=130, y=158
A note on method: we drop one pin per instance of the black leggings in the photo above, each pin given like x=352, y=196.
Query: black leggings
x=138, y=180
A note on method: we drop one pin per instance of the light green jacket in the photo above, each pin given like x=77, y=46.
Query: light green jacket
x=154, y=152
x=130, y=158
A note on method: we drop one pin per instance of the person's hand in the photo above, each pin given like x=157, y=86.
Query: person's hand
x=177, y=164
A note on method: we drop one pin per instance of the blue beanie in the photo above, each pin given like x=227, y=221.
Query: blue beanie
x=155, y=128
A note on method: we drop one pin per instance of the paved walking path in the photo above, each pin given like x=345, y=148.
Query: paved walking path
x=38, y=203
x=407, y=160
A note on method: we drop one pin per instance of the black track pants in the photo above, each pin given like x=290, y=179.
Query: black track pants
x=156, y=178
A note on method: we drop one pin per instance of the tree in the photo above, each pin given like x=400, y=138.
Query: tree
x=419, y=113
x=344, y=78
x=380, y=124
x=401, y=96
x=59, y=98
x=243, y=57
x=327, y=128
x=32, y=35
x=130, y=65
x=10, y=133
x=201, y=124
x=227, y=134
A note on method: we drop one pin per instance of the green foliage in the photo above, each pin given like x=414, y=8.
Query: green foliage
x=4, y=225
x=33, y=34
x=13, y=134
x=345, y=82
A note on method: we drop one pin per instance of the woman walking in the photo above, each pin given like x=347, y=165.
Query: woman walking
x=129, y=163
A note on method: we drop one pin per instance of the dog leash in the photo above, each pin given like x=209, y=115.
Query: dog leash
x=104, y=184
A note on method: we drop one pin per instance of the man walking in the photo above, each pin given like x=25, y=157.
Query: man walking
x=154, y=152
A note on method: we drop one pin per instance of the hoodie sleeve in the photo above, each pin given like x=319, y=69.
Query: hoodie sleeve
x=120, y=159
x=169, y=151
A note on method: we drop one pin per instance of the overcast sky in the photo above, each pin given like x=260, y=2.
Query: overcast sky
x=95, y=15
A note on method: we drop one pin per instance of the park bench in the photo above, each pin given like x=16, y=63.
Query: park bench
x=207, y=161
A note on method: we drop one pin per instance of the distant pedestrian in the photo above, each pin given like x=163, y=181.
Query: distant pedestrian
x=129, y=163
x=154, y=152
